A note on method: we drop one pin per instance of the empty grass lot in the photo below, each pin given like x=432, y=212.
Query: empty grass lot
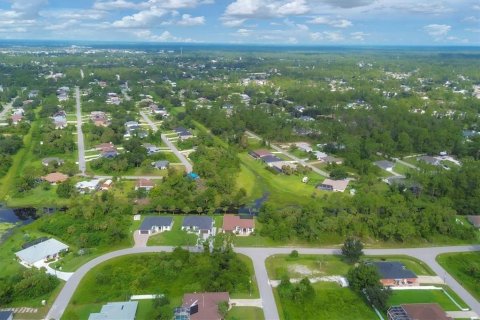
x=176, y=237
x=422, y=296
x=331, y=302
x=462, y=267
x=319, y=265
x=245, y=313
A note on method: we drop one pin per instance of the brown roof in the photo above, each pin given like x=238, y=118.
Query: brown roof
x=262, y=153
x=475, y=220
x=141, y=183
x=230, y=221
x=207, y=304
x=425, y=311
x=55, y=177
x=106, y=147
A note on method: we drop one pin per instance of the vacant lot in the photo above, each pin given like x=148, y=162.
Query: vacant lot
x=423, y=296
x=465, y=268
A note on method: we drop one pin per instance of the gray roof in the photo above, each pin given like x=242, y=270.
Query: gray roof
x=41, y=250
x=429, y=160
x=202, y=223
x=393, y=270
x=270, y=159
x=150, y=222
x=6, y=315
x=384, y=164
x=161, y=163
x=116, y=311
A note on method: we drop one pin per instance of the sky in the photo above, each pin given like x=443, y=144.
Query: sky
x=278, y=22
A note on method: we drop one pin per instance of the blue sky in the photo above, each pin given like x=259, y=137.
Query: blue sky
x=310, y=22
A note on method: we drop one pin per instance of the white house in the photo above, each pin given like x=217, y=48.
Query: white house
x=156, y=224
x=45, y=250
x=87, y=186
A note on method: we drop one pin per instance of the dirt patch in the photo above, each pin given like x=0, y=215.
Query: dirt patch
x=300, y=269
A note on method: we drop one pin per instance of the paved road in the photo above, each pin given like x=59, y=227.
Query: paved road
x=171, y=146
x=302, y=162
x=258, y=256
x=82, y=167
x=6, y=109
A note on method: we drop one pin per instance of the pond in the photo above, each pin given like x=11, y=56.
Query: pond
x=11, y=218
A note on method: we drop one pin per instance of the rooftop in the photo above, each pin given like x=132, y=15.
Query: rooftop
x=202, y=223
x=116, y=311
x=207, y=303
x=230, y=221
x=393, y=270
x=150, y=222
x=41, y=250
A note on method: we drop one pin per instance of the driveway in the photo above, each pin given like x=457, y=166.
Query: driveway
x=140, y=239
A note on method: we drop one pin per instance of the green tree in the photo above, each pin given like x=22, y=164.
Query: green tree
x=363, y=276
x=352, y=249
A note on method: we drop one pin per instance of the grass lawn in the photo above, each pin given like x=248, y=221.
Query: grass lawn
x=318, y=265
x=331, y=302
x=462, y=267
x=254, y=294
x=176, y=237
x=119, y=278
x=37, y=197
x=401, y=168
x=245, y=313
x=283, y=189
x=422, y=296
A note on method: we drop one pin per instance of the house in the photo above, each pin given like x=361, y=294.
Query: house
x=333, y=185
x=198, y=224
x=429, y=160
x=183, y=134
x=16, y=118
x=87, y=186
x=106, y=185
x=6, y=315
x=107, y=150
x=475, y=220
x=59, y=121
x=240, y=225
x=257, y=154
x=39, y=252
x=270, y=159
x=161, y=165
x=330, y=159
x=395, y=274
x=156, y=224
x=151, y=148
x=201, y=306
x=55, y=161
x=33, y=94
x=116, y=311
x=279, y=166
x=304, y=146
x=55, y=177
x=99, y=118
x=144, y=184
x=417, y=311
x=385, y=165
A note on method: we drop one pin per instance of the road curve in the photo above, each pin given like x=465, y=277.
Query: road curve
x=82, y=167
x=61, y=303
x=258, y=256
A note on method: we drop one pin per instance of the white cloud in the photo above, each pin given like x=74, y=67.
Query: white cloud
x=188, y=20
x=331, y=36
x=359, y=36
x=141, y=19
x=238, y=11
x=337, y=23
x=116, y=5
x=437, y=31
x=166, y=36
x=471, y=19
x=243, y=32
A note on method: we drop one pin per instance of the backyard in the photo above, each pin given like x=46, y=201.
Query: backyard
x=465, y=268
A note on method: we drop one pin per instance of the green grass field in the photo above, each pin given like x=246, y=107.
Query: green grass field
x=176, y=237
x=331, y=302
x=422, y=296
x=245, y=313
x=462, y=267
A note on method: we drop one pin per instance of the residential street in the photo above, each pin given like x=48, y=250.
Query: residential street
x=258, y=256
x=303, y=163
x=178, y=154
x=6, y=110
x=81, y=144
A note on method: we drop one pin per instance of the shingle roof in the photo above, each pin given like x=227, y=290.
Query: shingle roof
x=425, y=311
x=393, y=270
x=41, y=250
x=150, y=222
x=270, y=159
x=5, y=315
x=116, y=311
x=207, y=304
x=384, y=164
x=230, y=221
x=203, y=223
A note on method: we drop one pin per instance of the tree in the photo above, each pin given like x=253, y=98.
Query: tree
x=338, y=173
x=378, y=296
x=363, y=276
x=223, y=308
x=352, y=249
x=65, y=189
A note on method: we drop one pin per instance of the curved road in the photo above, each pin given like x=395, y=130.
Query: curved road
x=258, y=256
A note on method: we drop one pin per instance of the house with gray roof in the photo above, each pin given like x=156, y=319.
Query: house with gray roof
x=429, y=160
x=198, y=224
x=161, y=164
x=116, y=311
x=394, y=273
x=152, y=225
x=385, y=165
x=6, y=315
x=45, y=250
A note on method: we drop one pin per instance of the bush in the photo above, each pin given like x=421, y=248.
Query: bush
x=293, y=254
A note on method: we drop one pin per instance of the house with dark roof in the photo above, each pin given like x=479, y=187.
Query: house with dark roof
x=6, y=315
x=240, y=225
x=161, y=164
x=417, y=311
x=201, y=306
x=395, y=274
x=271, y=159
x=183, y=134
x=385, y=165
x=198, y=224
x=152, y=225
x=260, y=153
